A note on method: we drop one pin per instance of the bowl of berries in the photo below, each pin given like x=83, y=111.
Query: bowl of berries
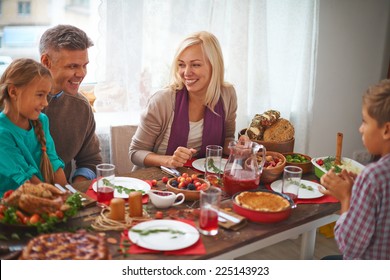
x=189, y=185
x=273, y=166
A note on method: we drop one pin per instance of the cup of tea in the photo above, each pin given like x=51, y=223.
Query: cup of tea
x=105, y=179
x=209, y=207
x=165, y=199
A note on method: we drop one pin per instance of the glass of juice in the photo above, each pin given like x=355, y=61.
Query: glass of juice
x=105, y=173
x=291, y=181
x=209, y=207
x=213, y=164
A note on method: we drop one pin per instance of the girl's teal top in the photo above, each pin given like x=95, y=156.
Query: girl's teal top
x=20, y=153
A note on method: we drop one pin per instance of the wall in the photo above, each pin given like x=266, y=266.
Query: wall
x=353, y=53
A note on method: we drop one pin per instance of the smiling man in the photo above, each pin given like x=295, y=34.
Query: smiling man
x=64, y=51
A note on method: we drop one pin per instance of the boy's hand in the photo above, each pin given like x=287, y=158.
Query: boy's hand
x=338, y=186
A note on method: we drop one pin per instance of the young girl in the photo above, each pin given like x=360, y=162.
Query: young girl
x=27, y=151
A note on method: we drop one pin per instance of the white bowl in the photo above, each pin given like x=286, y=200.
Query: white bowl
x=347, y=163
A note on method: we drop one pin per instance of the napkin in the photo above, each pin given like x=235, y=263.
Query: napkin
x=196, y=249
x=90, y=192
x=189, y=162
x=230, y=224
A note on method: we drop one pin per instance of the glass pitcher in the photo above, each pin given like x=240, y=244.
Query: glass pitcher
x=242, y=171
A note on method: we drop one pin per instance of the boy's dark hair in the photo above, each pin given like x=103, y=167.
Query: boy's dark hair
x=377, y=101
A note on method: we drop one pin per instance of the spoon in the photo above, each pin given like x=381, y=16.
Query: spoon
x=339, y=148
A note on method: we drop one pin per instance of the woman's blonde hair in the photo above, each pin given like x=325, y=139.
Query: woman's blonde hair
x=377, y=101
x=212, y=51
x=20, y=73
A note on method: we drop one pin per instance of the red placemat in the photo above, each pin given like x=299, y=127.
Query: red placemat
x=90, y=192
x=196, y=249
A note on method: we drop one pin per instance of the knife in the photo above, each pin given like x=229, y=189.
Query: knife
x=171, y=171
x=11, y=248
x=70, y=188
x=61, y=188
x=73, y=190
x=228, y=217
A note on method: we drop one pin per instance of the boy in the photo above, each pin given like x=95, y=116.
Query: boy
x=363, y=229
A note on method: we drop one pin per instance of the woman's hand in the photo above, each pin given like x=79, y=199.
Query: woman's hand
x=180, y=157
x=338, y=186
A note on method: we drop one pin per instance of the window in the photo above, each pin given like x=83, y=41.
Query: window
x=24, y=8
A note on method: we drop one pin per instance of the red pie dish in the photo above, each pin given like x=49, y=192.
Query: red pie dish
x=263, y=206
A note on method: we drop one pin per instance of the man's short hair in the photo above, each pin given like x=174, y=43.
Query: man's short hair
x=64, y=37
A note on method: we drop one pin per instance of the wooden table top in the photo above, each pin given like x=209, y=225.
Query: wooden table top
x=223, y=242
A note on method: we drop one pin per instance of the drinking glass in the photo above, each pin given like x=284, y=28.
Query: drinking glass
x=105, y=173
x=213, y=164
x=291, y=181
x=209, y=207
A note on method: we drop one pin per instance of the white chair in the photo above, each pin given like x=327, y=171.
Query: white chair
x=120, y=142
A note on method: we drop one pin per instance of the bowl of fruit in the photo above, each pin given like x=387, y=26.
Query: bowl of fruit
x=273, y=166
x=189, y=185
x=299, y=160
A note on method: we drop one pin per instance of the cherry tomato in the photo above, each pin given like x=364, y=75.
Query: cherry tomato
x=159, y=215
x=34, y=219
x=20, y=215
x=194, y=176
x=8, y=193
x=164, y=180
x=25, y=220
x=185, y=175
x=2, y=208
x=154, y=182
x=59, y=214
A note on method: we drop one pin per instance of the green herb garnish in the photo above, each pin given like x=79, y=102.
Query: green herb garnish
x=157, y=230
x=301, y=185
x=329, y=164
x=211, y=166
x=121, y=189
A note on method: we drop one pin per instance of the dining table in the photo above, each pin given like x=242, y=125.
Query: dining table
x=304, y=220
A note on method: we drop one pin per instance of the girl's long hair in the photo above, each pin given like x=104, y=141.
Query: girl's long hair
x=20, y=73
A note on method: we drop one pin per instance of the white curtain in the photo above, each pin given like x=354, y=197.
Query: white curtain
x=269, y=49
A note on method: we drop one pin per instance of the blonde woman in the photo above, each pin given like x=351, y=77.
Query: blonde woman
x=27, y=150
x=197, y=109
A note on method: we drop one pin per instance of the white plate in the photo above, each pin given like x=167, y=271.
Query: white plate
x=303, y=193
x=164, y=241
x=199, y=164
x=129, y=183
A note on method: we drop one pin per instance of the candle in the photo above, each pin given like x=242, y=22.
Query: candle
x=117, y=206
x=135, y=204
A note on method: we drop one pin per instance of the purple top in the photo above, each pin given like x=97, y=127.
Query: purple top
x=213, y=125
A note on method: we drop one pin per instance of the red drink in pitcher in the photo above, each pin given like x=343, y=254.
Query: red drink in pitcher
x=241, y=181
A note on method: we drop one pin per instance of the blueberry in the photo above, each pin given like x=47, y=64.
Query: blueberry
x=191, y=187
x=174, y=184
